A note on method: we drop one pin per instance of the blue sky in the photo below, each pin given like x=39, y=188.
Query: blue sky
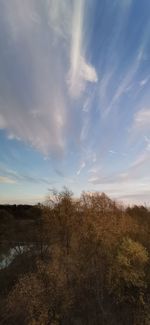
x=74, y=98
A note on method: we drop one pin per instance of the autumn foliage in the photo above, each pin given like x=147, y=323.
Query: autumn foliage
x=85, y=261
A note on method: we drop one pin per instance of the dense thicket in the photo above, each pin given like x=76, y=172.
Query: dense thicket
x=75, y=262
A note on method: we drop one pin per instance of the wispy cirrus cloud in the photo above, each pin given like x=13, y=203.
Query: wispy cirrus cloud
x=9, y=176
x=142, y=118
x=80, y=71
x=140, y=127
x=34, y=95
x=136, y=169
x=82, y=166
x=74, y=88
x=143, y=82
x=33, y=105
x=6, y=180
x=131, y=189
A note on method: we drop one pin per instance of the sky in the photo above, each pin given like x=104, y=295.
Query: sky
x=74, y=98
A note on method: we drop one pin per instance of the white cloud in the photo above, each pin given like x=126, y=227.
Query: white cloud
x=12, y=176
x=6, y=180
x=136, y=172
x=147, y=140
x=140, y=128
x=112, y=152
x=86, y=105
x=128, y=77
x=59, y=12
x=144, y=81
x=83, y=164
x=77, y=78
x=20, y=16
x=42, y=44
x=142, y=118
x=127, y=189
x=93, y=179
x=11, y=136
x=80, y=70
x=142, y=158
x=126, y=81
x=33, y=104
x=87, y=72
x=92, y=170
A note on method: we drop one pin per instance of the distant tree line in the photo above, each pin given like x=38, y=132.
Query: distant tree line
x=77, y=262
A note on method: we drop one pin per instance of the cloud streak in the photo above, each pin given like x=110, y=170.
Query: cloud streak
x=74, y=89
x=11, y=177
x=6, y=180
x=142, y=118
x=34, y=95
x=33, y=86
x=80, y=70
x=82, y=166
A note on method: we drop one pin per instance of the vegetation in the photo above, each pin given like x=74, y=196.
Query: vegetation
x=75, y=262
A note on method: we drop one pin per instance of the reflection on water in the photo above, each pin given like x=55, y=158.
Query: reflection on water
x=6, y=259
